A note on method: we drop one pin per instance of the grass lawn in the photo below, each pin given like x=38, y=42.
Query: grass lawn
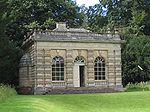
x=104, y=102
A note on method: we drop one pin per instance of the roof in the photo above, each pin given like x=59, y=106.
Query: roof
x=73, y=35
x=62, y=33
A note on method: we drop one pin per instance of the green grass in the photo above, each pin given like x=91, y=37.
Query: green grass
x=6, y=91
x=106, y=102
x=143, y=86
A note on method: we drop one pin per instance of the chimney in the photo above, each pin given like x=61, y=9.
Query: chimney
x=61, y=26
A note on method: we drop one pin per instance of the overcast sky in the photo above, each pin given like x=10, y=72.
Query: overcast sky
x=87, y=2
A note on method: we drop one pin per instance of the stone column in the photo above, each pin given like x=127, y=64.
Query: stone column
x=111, y=68
x=47, y=68
x=40, y=67
x=118, y=69
x=31, y=50
x=69, y=68
x=90, y=69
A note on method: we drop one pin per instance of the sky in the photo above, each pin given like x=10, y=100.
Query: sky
x=87, y=2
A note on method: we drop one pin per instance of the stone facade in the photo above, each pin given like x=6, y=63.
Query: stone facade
x=79, y=49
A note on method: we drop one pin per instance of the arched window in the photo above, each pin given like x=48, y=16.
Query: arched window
x=79, y=59
x=99, y=68
x=26, y=60
x=57, y=69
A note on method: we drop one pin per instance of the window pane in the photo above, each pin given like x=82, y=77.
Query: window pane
x=99, y=64
x=62, y=78
x=53, y=73
x=53, y=78
x=57, y=78
x=103, y=77
x=57, y=74
x=103, y=64
x=62, y=69
x=53, y=69
x=95, y=77
x=99, y=69
x=57, y=65
x=95, y=69
x=103, y=69
x=57, y=69
x=103, y=73
x=99, y=78
x=62, y=64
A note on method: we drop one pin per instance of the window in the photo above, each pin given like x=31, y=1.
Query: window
x=26, y=60
x=79, y=59
x=99, y=68
x=57, y=69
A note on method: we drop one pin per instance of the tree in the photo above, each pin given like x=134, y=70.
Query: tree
x=17, y=17
x=130, y=17
x=26, y=14
x=96, y=20
x=9, y=61
x=136, y=52
x=9, y=53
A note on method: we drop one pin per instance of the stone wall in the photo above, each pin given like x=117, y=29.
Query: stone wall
x=39, y=77
x=69, y=51
x=27, y=70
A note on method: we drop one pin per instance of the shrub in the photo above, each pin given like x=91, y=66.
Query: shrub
x=142, y=86
x=6, y=91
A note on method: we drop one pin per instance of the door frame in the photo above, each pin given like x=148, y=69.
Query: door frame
x=76, y=74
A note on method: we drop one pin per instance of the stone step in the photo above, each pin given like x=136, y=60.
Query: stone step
x=79, y=90
x=69, y=90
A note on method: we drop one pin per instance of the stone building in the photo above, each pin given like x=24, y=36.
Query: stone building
x=70, y=60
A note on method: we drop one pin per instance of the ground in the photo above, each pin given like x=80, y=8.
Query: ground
x=102, y=102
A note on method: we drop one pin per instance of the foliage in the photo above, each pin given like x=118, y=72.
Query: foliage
x=130, y=17
x=17, y=17
x=26, y=14
x=96, y=22
x=136, y=52
x=131, y=14
x=9, y=61
x=9, y=53
x=6, y=92
x=142, y=86
x=110, y=102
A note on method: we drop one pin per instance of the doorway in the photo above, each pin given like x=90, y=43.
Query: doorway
x=81, y=73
